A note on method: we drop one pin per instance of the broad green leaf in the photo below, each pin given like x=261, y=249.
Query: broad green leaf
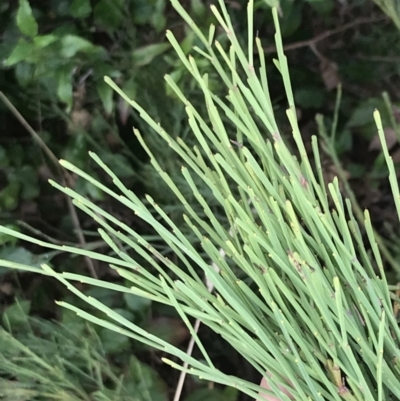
x=106, y=95
x=113, y=342
x=198, y=8
x=171, y=330
x=22, y=51
x=187, y=43
x=309, y=97
x=362, y=115
x=72, y=44
x=23, y=256
x=135, y=303
x=292, y=17
x=80, y=8
x=72, y=321
x=119, y=164
x=9, y=196
x=142, y=11
x=24, y=73
x=4, y=157
x=26, y=22
x=28, y=178
x=145, y=55
x=323, y=7
x=88, y=189
x=158, y=19
x=64, y=88
x=230, y=394
x=148, y=383
x=43, y=41
x=77, y=147
x=108, y=15
x=131, y=87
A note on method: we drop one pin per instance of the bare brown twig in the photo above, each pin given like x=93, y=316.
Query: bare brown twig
x=327, y=34
x=65, y=177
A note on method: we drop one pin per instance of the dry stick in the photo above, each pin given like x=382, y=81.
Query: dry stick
x=43, y=235
x=378, y=59
x=182, y=376
x=327, y=34
x=65, y=178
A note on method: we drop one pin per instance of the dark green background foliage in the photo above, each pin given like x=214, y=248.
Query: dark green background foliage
x=54, y=55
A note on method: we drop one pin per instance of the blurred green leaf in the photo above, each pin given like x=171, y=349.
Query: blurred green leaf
x=149, y=385
x=125, y=314
x=119, y=164
x=8, y=239
x=141, y=11
x=86, y=188
x=187, y=43
x=136, y=303
x=72, y=322
x=77, y=148
x=106, y=95
x=61, y=7
x=113, y=342
x=72, y=44
x=145, y=55
x=363, y=113
x=16, y=153
x=356, y=170
x=215, y=394
x=131, y=87
x=158, y=20
x=9, y=196
x=64, y=88
x=108, y=14
x=292, y=12
x=25, y=20
x=198, y=8
x=344, y=141
x=172, y=330
x=16, y=314
x=23, y=256
x=22, y=51
x=28, y=178
x=323, y=7
x=309, y=97
x=230, y=393
x=4, y=160
x=80, y=8
x=24, y=73
x=43, y=41
x=104, y=295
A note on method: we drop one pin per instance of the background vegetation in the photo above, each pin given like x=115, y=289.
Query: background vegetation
x=54, y=56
